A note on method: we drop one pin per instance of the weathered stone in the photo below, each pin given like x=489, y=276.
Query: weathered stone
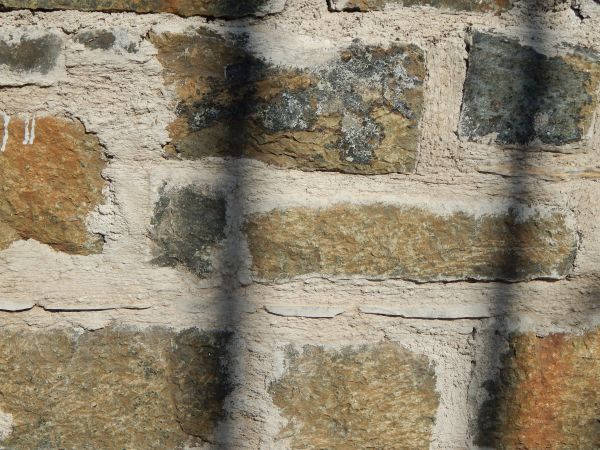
x=186, y=8
x=433, y=312
x=359, y=114
x=515, y=95
x=410, y=243
x=308, y=311
x=188, y=228
x=50, y=184
x=547, y=395
x=380, y=396
x=106, y=40
x=30, y=54
x=113, y=388
x=456, y=5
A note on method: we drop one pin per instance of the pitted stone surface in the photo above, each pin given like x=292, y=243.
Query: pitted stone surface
x=113, y=388
x=212, y=8
x=515, y=95
x=187, y=229
x=50, y=184
x=547, y=395
x=411, y=243
x=359, y=114
x=380, y=396
x=457, y=5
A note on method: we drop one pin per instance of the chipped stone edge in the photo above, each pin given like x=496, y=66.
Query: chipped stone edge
x=430, y=312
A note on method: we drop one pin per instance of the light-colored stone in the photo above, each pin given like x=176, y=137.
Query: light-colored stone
x=309, y=311
x=442, y=312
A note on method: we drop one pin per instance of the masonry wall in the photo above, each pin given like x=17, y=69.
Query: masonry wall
x=299, y=225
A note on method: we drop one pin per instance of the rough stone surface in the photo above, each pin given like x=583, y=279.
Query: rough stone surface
x=358, y=114
x=411, y=243
x=515, y=95
x=212, y=8
x=105, y=40
x=188, y=228
x=547, y=395
x=112, y=388
x=30, y=54
x=457, y=5
x=50, y=184
x=371, y=397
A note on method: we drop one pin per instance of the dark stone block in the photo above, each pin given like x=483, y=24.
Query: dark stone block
x=188, y=227
x=517, y=96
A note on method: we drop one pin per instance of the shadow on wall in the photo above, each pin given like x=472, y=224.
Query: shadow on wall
x=528, y=101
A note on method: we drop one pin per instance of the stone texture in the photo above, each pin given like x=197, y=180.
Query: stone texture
x=408, y=242
x=212, y=8
x=106, y=40
x=50, y=186
x=359, y=114
x=433, y=312
x=456, y=5
x=515, y=95
x=188, y=228
x=113, y=388
x=30, y=54
x=547, y=395
x=381, y=396
x=308, y=311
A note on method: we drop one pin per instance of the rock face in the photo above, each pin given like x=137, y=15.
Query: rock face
x=188, y=228
x=371, y=397
x=410, y=243
x=517, y=96
x=457, y=5
x=31, y=54
x=112, y=389
x=51, y=180
x=359, y=114
x=213, y=8
x=547, y=395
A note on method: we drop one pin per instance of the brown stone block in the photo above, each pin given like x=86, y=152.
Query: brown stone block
x=359, y=113
x=212, y=8
x=410, y=243
x=50, y=181
x=547, y=395
x=380, y=396
x=113, y=388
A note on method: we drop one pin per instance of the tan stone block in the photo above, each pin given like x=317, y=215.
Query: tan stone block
x=379, y=396
x=410, y=243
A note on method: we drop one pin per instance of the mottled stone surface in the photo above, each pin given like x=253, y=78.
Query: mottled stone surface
x=410, y=243
x=212, y=8
x=30, y=53
x=359, y=114
x=50, y=184
x=457, y=5
x=106, y=40
x=112, y=388
x=380, y=396
x=547, y=395
x=188, y=227
x=515, y=95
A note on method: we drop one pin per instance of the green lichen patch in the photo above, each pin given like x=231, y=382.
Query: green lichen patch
x=357, y=114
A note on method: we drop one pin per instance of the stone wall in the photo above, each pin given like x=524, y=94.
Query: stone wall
x=299, y=224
